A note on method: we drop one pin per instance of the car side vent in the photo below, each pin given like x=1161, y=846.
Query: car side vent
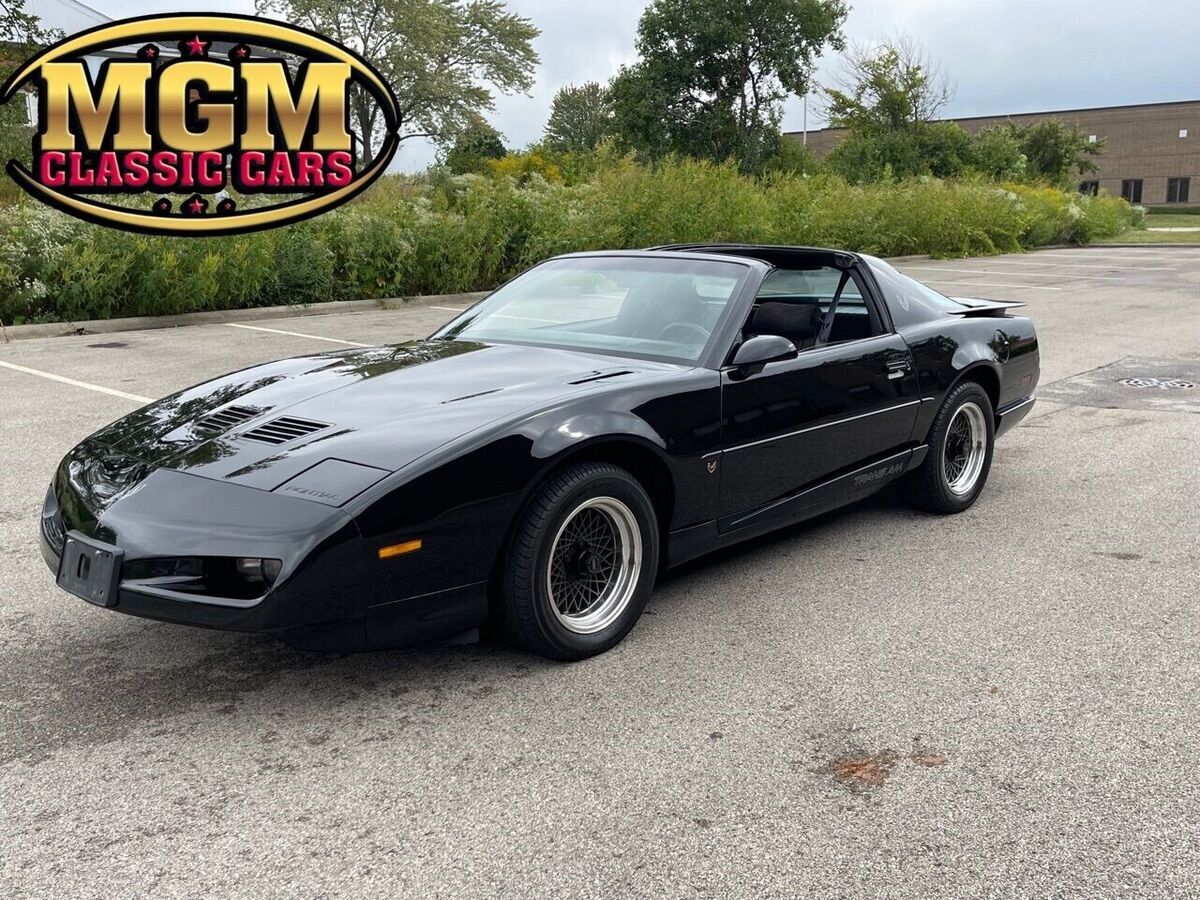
x=224, y=419
x=284, y=429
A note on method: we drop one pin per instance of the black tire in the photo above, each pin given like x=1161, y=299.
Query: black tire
x=929, y=487
x=599, y=495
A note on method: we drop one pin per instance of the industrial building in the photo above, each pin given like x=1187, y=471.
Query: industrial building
x=1151, y=150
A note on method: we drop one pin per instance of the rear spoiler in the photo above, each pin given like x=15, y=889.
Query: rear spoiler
x=984, y=308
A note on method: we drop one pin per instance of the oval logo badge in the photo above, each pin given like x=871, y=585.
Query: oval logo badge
x=198, y=122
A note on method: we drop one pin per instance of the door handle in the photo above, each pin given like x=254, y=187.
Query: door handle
x=898, y=370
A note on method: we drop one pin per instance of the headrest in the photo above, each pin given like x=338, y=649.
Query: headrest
x=794, y=321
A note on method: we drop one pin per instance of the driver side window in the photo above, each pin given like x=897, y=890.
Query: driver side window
x=797, y=303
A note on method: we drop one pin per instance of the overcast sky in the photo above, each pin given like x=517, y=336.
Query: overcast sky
x=1002, y=55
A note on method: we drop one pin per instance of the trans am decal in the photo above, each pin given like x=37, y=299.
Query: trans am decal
x=181, y=108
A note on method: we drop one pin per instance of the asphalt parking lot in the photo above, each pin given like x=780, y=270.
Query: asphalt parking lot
x=877, y=703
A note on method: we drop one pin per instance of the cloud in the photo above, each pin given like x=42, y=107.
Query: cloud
x=1010, y=56
x=580, y=41
x=1002, y=55
x=123, y=9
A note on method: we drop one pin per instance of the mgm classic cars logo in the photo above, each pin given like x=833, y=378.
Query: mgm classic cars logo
x=174, y=111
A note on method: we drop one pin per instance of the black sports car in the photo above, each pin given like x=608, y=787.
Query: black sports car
x=537, y=461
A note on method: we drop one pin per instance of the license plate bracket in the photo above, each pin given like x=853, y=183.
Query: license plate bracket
x=90, y=569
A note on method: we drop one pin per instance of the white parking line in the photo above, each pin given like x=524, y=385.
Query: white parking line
x=956, y=270
x=1021, y=261
x=79, y=384
x=1097, y=254
x=450, y=308
x=1032, y=287
x=314, y=337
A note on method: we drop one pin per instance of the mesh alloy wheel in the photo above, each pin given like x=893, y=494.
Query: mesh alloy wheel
x=965, y=449
x=581, y=562
x=595, y=563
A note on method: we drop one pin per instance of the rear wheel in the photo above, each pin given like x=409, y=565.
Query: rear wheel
x=961, y=441
x=582, y=562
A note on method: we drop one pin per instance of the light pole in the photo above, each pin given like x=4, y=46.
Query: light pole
x=806, y=120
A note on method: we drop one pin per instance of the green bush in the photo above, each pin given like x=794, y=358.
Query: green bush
x=1051, y=216
x=442, y=234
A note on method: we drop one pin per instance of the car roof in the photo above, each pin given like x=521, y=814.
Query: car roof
x=721, y=246
x=760, y=256
x=655, y=253
x=779, y=255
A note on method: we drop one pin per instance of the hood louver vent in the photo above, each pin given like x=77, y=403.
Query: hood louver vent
x=600, y=376
x=224, y=419
x=284, y=429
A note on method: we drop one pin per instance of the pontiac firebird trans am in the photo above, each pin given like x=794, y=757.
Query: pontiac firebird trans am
x=537, y=461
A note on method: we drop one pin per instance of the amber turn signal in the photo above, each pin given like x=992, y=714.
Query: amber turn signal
x=400, y=549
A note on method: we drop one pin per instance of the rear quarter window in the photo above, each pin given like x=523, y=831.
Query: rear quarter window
x=909, y=301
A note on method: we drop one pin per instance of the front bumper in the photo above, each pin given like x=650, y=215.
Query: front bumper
x=172, y=515
x=329, y=595
x=281, y=614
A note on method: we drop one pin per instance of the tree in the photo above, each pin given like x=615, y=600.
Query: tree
x=944, y=149
x=887, y=98
x=1055, y=151
x=791, y=157
x=894, y=86
x=21, y=35
x=713, y=74
x=580, y=118
x=443, y=58
x=23, y=29
x=997, y=153
x=474, y=146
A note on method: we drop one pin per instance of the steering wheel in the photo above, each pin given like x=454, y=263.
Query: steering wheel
x=684, y=326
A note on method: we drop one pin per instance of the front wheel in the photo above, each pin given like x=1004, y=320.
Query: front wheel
x=961, y=441
x=582, y=563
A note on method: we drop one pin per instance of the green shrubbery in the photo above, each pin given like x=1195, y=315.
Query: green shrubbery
x=449, y=234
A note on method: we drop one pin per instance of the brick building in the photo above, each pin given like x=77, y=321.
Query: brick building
x=1151, y=150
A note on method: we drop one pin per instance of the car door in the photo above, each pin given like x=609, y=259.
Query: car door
x=848, y=398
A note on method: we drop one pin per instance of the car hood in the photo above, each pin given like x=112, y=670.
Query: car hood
x=380, y=407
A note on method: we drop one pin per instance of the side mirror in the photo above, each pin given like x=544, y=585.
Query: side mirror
x=762, y=349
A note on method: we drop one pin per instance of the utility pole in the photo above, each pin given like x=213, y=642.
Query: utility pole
x=806, y=120
x=804, y=159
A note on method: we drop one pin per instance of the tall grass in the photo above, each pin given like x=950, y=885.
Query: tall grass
x=443, y=235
